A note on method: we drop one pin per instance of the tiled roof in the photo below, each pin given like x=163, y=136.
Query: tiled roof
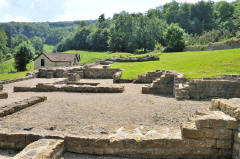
x=60, y=57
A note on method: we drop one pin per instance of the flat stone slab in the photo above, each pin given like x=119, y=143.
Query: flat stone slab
x=228, y=106
x=17, y=106
x=190, y=131
x=42, y=149
x=216, y=119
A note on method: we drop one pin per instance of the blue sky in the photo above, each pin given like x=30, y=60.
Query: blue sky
x=68, y=10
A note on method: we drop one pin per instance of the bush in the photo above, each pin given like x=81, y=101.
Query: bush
x=174, y=38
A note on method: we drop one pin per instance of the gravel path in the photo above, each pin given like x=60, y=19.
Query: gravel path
x=84, y=113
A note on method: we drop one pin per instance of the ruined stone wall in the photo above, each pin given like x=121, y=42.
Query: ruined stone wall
x=97, y=73
x=149, y=77
x=201, y=89
x=172, y=83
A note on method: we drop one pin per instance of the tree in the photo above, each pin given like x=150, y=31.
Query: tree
x=18, y=39
x=174, y=38
x=224, y=11
x=37, y=43
x=170, y=12
x=3, y=42
x=98, y=40
x=24, y=54
x=203, y=13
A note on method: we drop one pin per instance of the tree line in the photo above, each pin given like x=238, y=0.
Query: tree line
x=171, y=26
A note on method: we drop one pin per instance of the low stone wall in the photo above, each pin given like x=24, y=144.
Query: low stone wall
x=135, y=59
x=8, y=81
x=71, y=88
x=229, y=44
x=17, y=106
x=1, y=87
x=3, y=95
x=164, y=85
x=175, y=84
x=149, y=77
x=89, y=73
x=42, y=149
x=96, y=73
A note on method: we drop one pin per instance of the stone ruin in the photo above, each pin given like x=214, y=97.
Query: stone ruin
x=86, y=73
x=175, y=84
x=133, y=59
x=212, y=134
x=3, y=95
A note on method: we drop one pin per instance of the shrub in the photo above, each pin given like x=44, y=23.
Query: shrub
x=174, y=38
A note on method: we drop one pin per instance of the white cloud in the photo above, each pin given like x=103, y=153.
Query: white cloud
x=9, y=18
x=4, y=4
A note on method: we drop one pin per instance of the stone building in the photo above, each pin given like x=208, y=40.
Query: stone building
x=48, y=60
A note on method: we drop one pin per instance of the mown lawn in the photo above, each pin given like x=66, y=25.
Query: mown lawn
x=192, y=64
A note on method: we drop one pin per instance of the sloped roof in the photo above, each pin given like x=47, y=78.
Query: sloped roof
x=60, y=57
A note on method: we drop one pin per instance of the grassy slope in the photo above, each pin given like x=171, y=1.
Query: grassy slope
x=192, y=64
x=8, y=66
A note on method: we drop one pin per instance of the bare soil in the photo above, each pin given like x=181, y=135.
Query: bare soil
x=91, y=114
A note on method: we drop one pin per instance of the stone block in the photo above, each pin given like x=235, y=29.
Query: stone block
x=1, y=87
x=149, y=148
x=3, y=95
x=216, y=119
x=50, y=75
x=231, y=106
x=43, y=149
x=189, y=130
x=73, y=77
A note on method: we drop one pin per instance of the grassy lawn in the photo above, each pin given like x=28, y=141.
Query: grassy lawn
x=48, y=48
x=192, y=64
x=8, y=66
x=90, y=57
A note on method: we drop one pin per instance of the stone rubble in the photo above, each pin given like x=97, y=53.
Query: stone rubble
x=42, y=149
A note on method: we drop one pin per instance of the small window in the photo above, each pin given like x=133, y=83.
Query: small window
x=42, y=62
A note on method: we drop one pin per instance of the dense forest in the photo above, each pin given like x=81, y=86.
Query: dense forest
x=166, y=28
x=171, y=26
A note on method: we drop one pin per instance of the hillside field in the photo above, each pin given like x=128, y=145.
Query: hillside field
x=192, y=64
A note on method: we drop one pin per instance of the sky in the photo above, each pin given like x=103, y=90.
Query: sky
x=69, y=10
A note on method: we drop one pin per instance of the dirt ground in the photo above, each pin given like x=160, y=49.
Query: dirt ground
x=90, y=114
x=68, y=155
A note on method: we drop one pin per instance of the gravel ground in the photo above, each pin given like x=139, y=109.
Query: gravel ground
x=68, y=155
x=84, y=113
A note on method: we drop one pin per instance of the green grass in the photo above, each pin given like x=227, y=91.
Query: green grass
x=192, y=64
x=90, y=57
x=8, y=66
x=48, y=48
